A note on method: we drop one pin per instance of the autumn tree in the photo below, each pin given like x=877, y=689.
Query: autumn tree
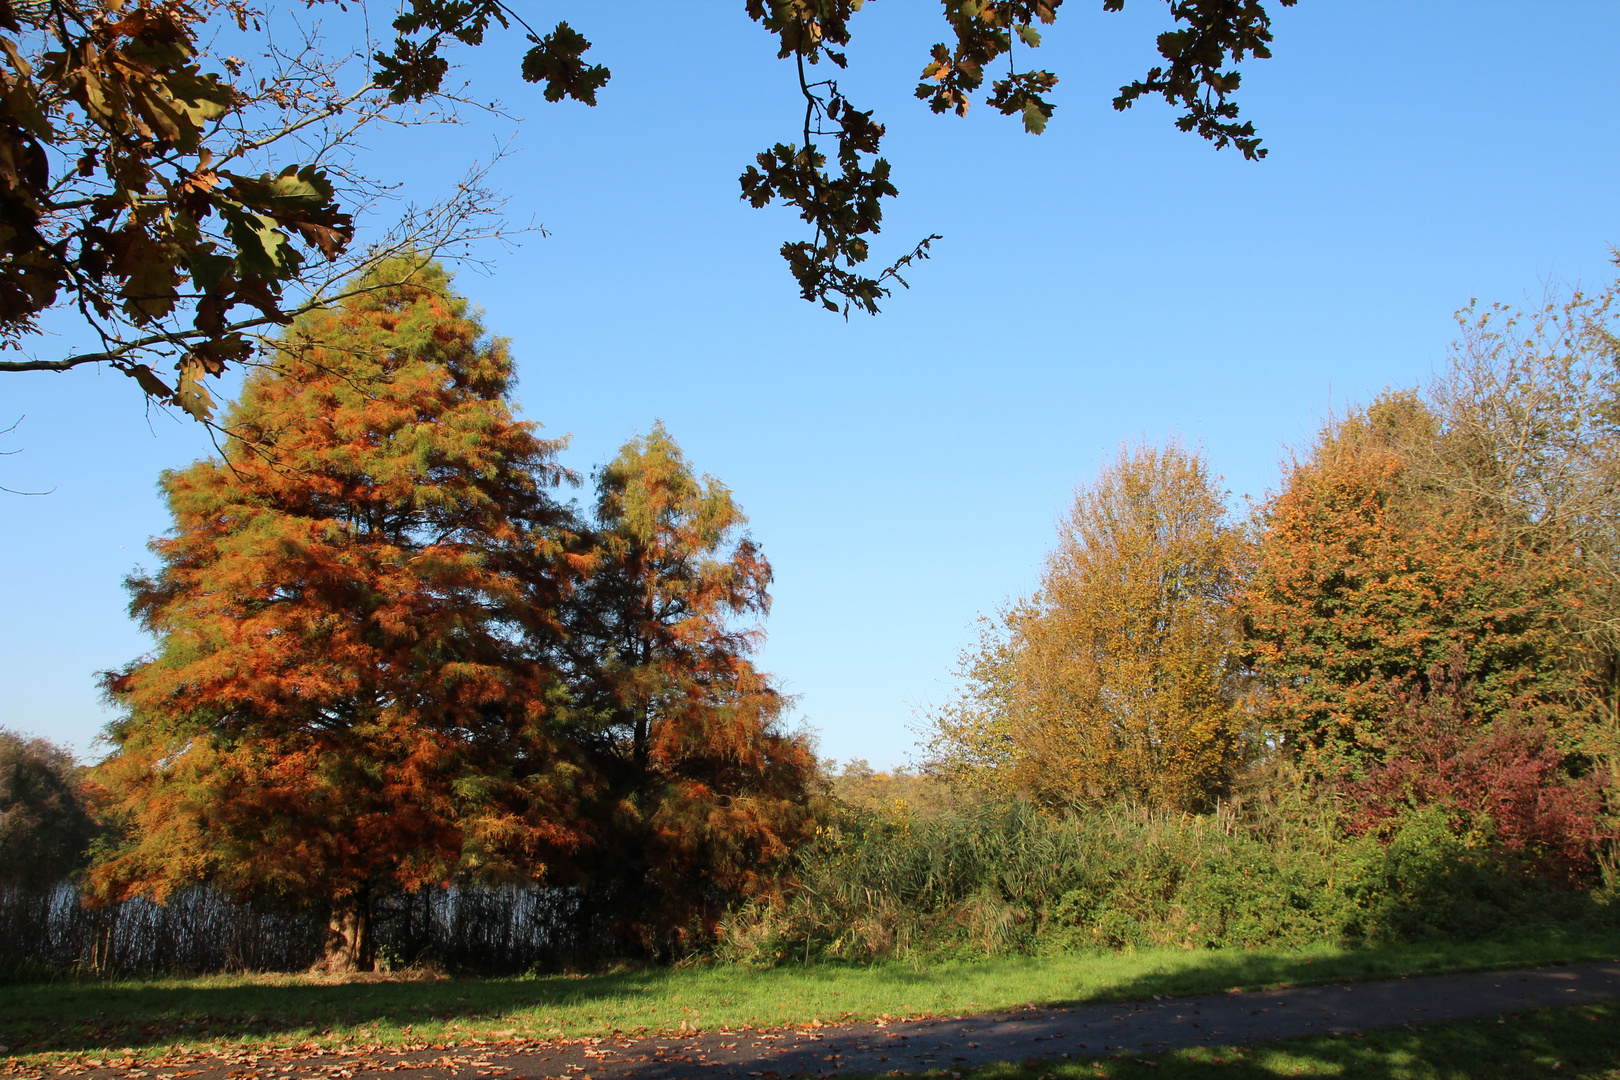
x=1370, y=576
x=1471, y=522
x=340, y=701
x=184, y=201
x=1529, y=413
x=1118, y=680
x=703, y=791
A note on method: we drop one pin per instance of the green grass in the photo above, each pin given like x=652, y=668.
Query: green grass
x=44, y=1020
x=1577, y=1041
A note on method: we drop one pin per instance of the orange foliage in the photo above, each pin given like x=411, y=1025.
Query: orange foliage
x=388, y=658
x=337, y=702
x=703, y=792
x=1366, y=582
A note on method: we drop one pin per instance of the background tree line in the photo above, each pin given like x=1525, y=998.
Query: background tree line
x=1422, y=614
x=1381, y=706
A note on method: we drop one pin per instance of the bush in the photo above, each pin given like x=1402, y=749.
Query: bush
x=1008, y=878
x=1500, y=787
x=45, y=825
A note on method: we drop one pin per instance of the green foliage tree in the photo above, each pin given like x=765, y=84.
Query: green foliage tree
x=340, y=702
x=969, y=740
x=46, y=825
x=703, y=792
x=1118, y=680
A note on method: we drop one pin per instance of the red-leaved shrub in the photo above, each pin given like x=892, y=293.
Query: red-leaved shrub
x=1504, y=782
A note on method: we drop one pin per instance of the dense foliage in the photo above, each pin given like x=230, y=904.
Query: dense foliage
x=398, y=680
x=704, y=793
x=47, y=819
x=339, y=700
x=1504, y=784
x=1418, y=628
x=1367, y=579
x=1116, y=681
x=1004, y=877
x=388, y=657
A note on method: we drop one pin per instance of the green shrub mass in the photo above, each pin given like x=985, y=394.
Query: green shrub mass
x=1007, y=878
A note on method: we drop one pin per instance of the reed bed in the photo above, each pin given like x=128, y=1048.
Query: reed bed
x=44, y=932
x=999, y=879
x=981, y=880
x=47, y=933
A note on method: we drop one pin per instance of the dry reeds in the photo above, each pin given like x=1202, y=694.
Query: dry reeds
x=45, y=933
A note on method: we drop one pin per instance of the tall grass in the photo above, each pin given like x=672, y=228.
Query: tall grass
x=46, y=932
x=1000, y=879
x=498, y=929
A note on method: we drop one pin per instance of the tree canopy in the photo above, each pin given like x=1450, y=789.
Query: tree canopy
x=388, y=657
x=1118, y=679
x=184, y=203
x=707, y=795
x=339, y=700
x=1367, y=579
x=47, y=822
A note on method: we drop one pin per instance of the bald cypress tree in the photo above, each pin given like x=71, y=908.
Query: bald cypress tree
x=703, y=793
x=339, y=702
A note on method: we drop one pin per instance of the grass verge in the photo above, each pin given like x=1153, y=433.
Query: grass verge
x=44, y=1020
x=1576, y=1041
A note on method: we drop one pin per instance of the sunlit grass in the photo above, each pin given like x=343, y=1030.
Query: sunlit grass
x=215, y=1011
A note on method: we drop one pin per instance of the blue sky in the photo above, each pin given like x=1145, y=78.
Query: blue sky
x=1110, y=280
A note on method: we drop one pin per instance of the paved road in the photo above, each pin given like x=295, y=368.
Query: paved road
x=957, y=1043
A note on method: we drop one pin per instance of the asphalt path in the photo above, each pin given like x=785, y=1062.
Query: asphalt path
x=906, y=1046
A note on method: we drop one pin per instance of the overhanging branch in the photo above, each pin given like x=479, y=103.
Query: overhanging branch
x=56, y=365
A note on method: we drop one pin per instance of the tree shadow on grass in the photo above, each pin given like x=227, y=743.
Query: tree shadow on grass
x=70, y=1015
x=86, y=1015
x=1450, y=914
x=1582, y=1040
x=1214, y=970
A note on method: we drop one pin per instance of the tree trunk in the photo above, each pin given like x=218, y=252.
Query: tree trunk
x=348, y=935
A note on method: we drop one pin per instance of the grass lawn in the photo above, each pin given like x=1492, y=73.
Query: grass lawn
x=68, y=1016
x=1578, y=1041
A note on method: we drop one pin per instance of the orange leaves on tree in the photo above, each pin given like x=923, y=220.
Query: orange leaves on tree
x=339, y=700
x=1367, y=580
x=388, y=657
x=706, y=792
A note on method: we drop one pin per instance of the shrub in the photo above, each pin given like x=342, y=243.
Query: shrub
x=1502, y=789
x=1006, y=877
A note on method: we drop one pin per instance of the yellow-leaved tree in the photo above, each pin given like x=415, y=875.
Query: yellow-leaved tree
x=1117, y=680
